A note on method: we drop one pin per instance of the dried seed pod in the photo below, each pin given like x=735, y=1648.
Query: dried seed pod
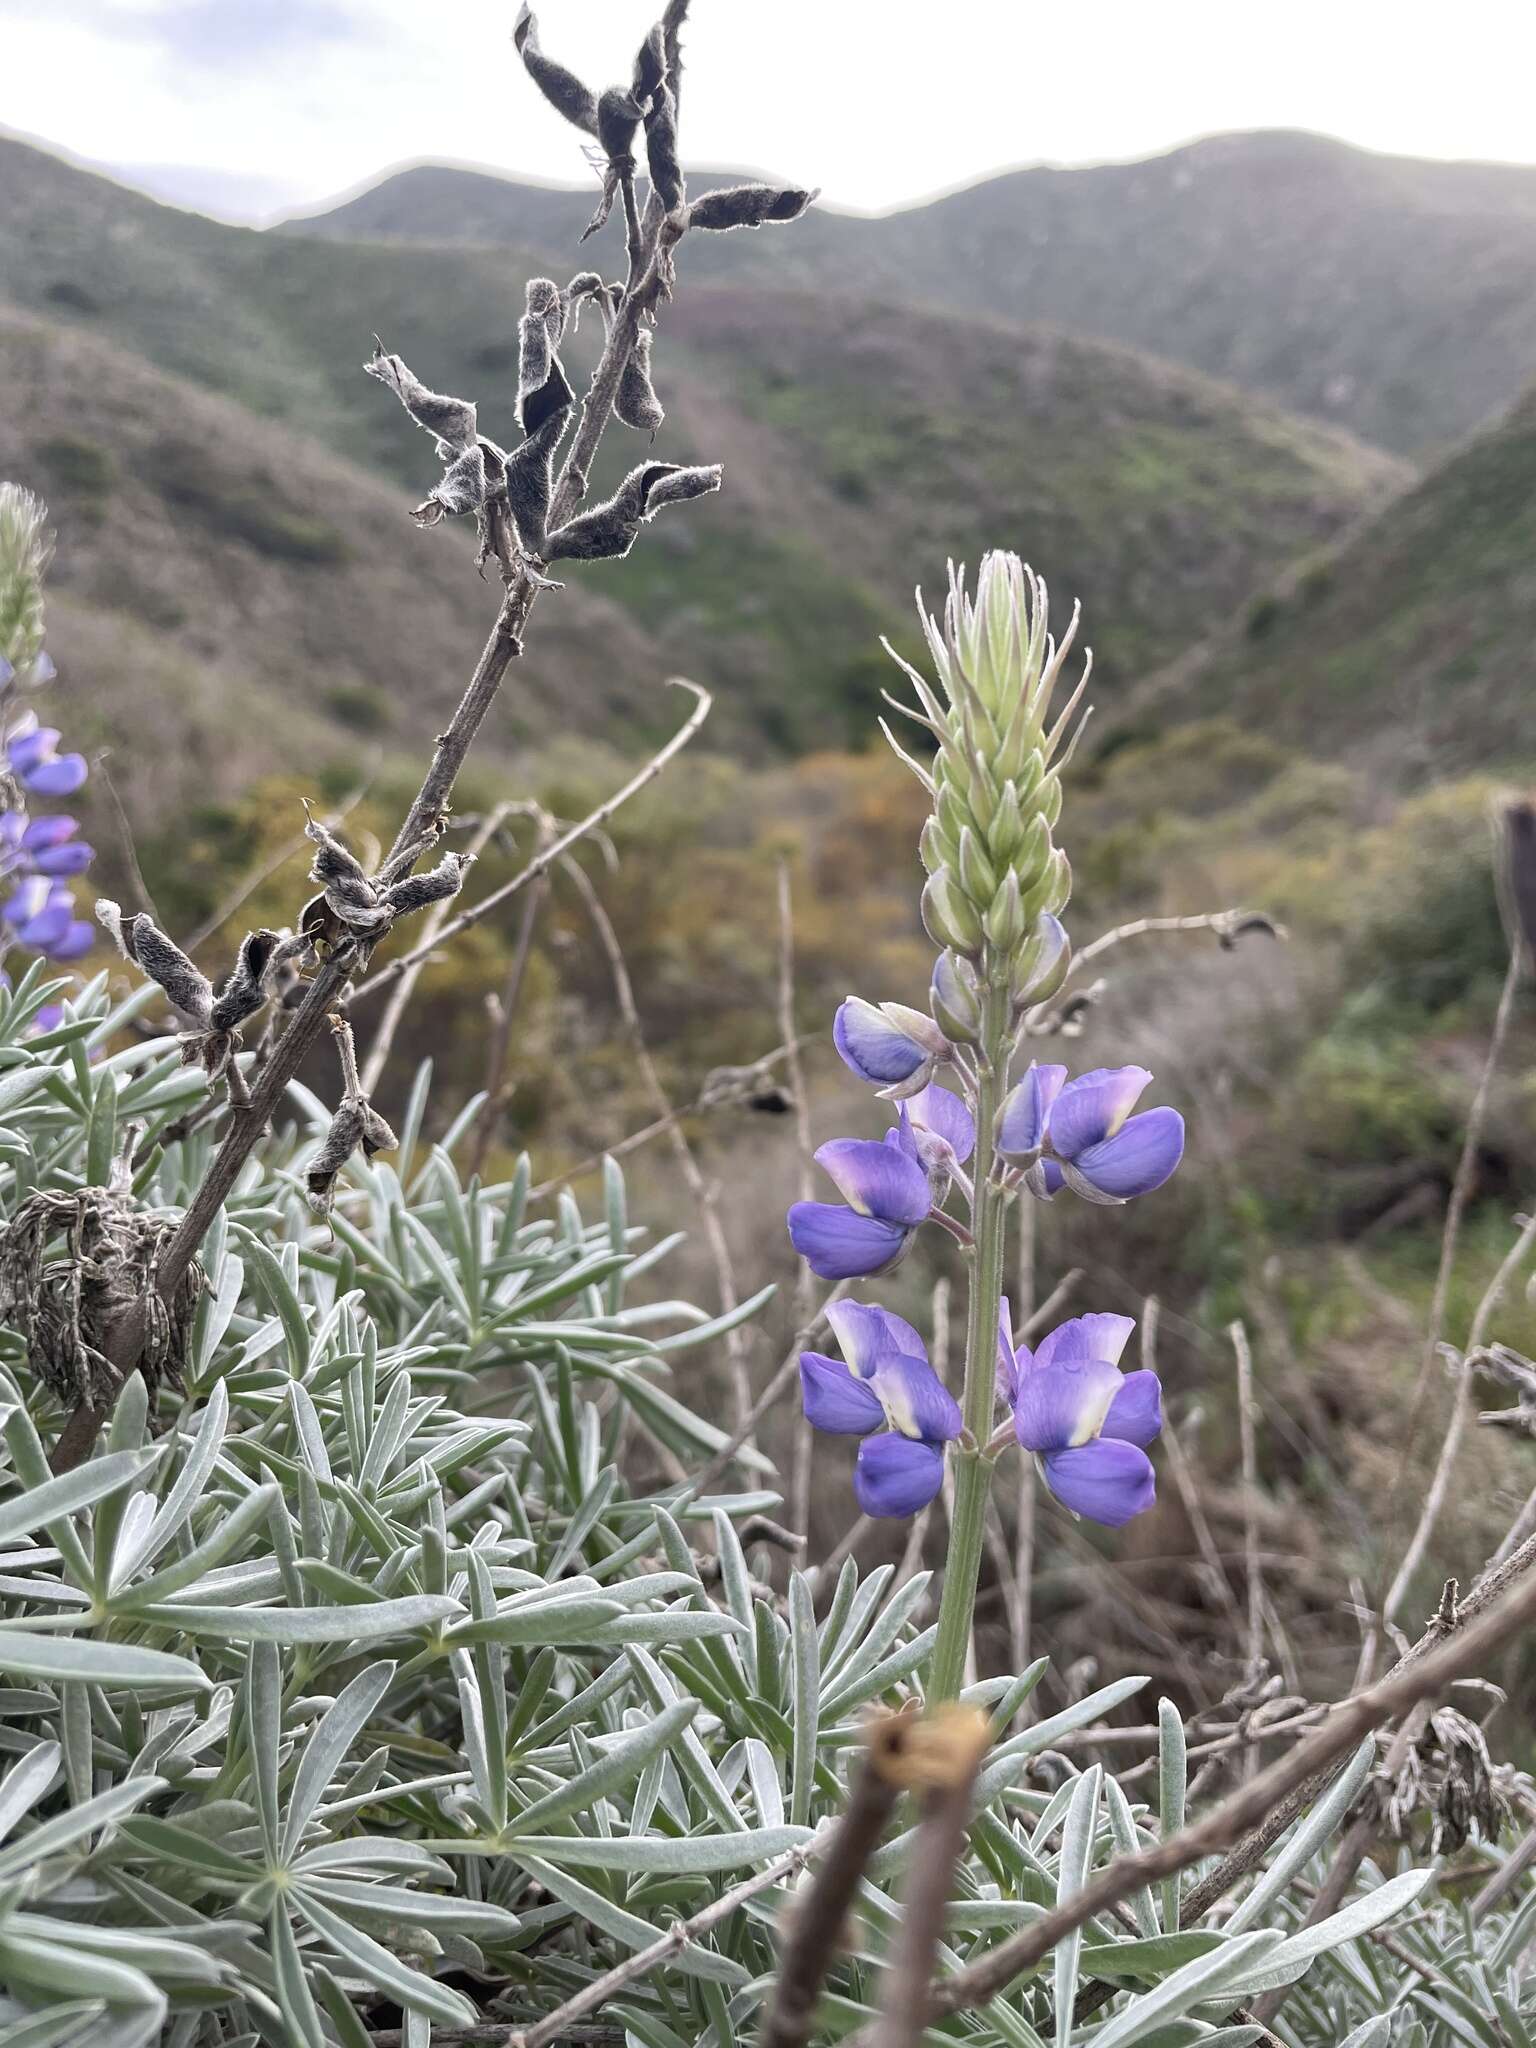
x=609, y=529
x=618, y=116
x=542, y=388
x=461, y=488
x=584, y=287
x=245, y=991
x=651, y=67
x=661, y=150
x=415, y=892
x=637, y=405
x=341, y=1141
x=349, y=895
x=530, y=482
x=141, y=940
x=563, y=89
x=747, y=206
x=450, y=420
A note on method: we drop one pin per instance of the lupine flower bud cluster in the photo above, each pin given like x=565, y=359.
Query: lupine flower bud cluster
x=39, y=854
x=997, y=882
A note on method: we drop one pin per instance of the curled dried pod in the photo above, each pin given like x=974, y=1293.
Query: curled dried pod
x=450, y=420
x=415, y=892
x=637, y=405
x=245, y=990
x=661, y=150
x=140, y=940
x=562, y=88
x=608, y=530
x=748, y=206
x=461, y=488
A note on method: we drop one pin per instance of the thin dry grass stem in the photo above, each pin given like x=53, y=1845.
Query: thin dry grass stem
x=845, y=1546
x=1189, y=1495
x=1519, y=1529
x=654, y=1129
x=786, y=1371
x=1228, y=925
x=802, y=1455
x=703, y=1191
x=1456, y=1208
x=1461, y=1409
x=544, y=861
x=389, y=1023
x=264, y=870
x=126, y=841
x=1052, y=1306
x=555, y=2027
x=499, y=1046
x=1246, y=1417
x=1257, y=1813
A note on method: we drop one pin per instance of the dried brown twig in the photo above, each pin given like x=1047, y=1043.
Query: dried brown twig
x=1251, y=1819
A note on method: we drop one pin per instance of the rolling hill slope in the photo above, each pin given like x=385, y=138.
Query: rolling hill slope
x=864, y=443
x=1390, y=296
x=1412, y=644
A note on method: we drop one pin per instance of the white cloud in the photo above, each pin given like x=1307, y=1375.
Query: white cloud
x=878, y=101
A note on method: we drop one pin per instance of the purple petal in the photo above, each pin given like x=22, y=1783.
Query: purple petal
x=43, y=670
x=48, y=1018
x=45, y=931
x=1060, y=1406
x=1007, y=1356
x=876, y=1179
x=31, y=745
x=1093, y=1107
x=896, y=1475
x=834, y=1400
x=916, y=1401
x=29, y=901
x=1136, y=1413
x=941, y=1112
x=1141, y=1158
x=13, y=828
x=71, y=858
x=1026, y=1114
x=1107, y=1481
x=61, y=776
x=863, y=1332
x=40, y=832
x=872, y=1046
x=840, y=1244
x=1086, y=1337
x=78, y=939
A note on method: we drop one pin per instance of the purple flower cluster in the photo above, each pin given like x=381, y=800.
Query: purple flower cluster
x=41, y=855
x=1085, y=1420
x=1072, y=1407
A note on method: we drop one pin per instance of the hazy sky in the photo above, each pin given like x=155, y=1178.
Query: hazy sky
x=877, y=101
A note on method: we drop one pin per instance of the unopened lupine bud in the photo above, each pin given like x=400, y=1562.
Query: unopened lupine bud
x=1040, y=962
x=994, y=872
x=956, y=998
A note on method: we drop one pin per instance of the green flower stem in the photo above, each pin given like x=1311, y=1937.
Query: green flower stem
x=973, y=1468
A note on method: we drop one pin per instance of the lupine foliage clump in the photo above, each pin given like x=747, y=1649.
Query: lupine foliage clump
x=394, y=1650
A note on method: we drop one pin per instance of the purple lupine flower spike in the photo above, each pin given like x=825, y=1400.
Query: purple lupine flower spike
x=1081, y=1134
x=888, y=1197
x=884, y=1390
x=1085, y=1420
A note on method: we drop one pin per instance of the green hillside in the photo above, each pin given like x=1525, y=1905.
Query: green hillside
x=1391, y=296
x=1410, y=644
x=864, y=443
